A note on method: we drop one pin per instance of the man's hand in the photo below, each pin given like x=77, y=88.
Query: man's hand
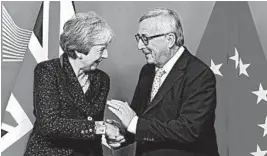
x=122, y=110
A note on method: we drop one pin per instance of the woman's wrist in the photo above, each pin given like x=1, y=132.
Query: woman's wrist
x=100, y=128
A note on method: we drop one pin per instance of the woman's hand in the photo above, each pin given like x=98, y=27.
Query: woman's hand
x=113, y=135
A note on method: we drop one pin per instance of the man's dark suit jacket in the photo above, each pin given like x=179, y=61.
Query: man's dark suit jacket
x=64, y=114
x=179, y=121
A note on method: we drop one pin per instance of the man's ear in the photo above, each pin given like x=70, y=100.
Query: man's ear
x=171, y=40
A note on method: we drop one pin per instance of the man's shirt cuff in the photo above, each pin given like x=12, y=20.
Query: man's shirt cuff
x=132, y=126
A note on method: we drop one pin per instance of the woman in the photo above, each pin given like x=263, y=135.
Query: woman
x=70, y=92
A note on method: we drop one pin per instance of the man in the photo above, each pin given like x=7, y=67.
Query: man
x=173, y=108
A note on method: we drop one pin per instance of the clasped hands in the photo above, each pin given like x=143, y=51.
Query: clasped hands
x=111, y=131
x=114, y=132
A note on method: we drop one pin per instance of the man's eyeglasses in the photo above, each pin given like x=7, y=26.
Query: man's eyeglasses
x=145, y=39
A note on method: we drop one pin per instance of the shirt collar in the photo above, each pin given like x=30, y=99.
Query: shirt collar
x=168, y=66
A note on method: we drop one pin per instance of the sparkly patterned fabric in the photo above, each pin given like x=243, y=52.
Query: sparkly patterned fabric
x=65, y=115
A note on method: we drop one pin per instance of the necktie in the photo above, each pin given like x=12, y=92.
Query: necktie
x=156, y=83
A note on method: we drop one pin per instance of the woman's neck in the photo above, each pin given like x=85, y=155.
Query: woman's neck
x=76, y=65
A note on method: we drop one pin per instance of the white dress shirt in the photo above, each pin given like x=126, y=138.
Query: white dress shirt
x=167, y=68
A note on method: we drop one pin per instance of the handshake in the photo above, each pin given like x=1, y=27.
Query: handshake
x=112, y=133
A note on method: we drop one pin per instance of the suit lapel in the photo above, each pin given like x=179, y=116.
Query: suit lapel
x=146, y=87
x=94, y=79
x=72, y=86
x=175, y=74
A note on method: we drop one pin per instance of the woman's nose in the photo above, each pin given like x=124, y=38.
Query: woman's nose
x=105, y=54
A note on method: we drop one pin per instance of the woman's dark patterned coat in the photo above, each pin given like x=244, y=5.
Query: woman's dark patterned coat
x=65, y=115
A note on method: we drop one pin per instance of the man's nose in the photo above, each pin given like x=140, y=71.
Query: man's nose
x=141, y=45
x=105, y=54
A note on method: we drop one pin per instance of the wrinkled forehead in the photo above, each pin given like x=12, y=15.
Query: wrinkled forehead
x=153, y=25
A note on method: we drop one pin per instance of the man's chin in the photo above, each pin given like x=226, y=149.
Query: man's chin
x=149, y=61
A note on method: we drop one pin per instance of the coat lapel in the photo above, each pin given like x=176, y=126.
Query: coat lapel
x=175, y=74
x=72, y=86
x=146, y=87
x=94, y=79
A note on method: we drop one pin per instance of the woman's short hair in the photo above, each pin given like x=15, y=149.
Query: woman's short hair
x=174, y=22
x=83, y=31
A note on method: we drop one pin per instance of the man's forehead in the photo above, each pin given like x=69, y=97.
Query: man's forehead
x=148, y=26
x=151, y=25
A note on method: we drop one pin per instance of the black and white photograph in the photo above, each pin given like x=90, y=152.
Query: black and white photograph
x=133, y=78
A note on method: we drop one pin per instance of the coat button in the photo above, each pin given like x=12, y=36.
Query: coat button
x=91, y=130
x=89, y=118
x=82, y=131
x=86, y=131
